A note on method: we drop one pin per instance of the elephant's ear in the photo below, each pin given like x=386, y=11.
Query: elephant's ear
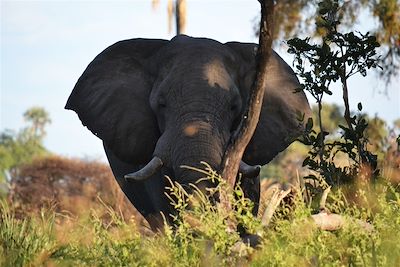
x=279, y=121
x=112, y=98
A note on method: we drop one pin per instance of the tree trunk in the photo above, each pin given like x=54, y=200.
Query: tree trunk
x=180, y=16
x=242, y=135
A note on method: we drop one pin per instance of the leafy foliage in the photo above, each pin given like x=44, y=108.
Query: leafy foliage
x=25, y=241
x=17, y=148
x=338, y=57
x=37, y=117
x=200, y=239
x=296, y=243
x=296, y=18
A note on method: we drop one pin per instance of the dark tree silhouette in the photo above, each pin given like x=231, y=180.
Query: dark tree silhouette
x=242, y=135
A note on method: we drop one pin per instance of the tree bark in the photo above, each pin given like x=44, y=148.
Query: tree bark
x=180, y=16
x=242, y=135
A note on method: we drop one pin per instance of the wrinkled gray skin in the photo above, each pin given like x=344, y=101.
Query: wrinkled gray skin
x=180, y=100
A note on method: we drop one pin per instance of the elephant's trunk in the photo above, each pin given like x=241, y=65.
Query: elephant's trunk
x=199, y=141
x=197, y=138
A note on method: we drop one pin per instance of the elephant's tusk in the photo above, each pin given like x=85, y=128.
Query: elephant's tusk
x=249, y=171
x=152, y=167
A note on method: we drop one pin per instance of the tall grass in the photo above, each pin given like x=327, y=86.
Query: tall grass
x=199, y=237
x=27, y=241
x=297, y=242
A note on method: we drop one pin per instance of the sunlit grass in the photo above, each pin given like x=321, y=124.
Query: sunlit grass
x=200, y=239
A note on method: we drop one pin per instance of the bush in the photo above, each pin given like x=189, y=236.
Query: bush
x=71, y=186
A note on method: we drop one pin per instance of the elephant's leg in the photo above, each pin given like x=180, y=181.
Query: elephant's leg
x=251, y=190
x=147, y=196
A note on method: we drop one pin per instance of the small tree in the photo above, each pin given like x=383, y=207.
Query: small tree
x=17, y=148
x=336, y=58
x=296, y=17
x=38, y=119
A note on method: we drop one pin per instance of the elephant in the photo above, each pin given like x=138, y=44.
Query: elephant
x=158, y=105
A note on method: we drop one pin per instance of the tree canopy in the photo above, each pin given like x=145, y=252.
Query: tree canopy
x=298, y=17
x=17, y=148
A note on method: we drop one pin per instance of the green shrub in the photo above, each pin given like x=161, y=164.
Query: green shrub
x=25, y=241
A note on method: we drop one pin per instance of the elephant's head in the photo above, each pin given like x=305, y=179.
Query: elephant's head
x=174, y=103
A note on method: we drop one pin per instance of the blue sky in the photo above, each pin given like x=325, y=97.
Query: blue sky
x=46, y=45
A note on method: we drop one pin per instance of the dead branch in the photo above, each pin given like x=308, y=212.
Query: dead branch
x=322, y=202
x=273, y=204
x=324, y=220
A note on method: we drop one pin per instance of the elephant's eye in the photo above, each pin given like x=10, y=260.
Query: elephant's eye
x=162, y=103
x=236, y=106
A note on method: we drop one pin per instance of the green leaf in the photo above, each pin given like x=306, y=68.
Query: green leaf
x=309, y=124
x=306, y=161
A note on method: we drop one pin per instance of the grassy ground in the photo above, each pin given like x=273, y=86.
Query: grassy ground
x=50, y=239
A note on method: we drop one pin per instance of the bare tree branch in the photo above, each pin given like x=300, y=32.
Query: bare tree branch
x=273, y=204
